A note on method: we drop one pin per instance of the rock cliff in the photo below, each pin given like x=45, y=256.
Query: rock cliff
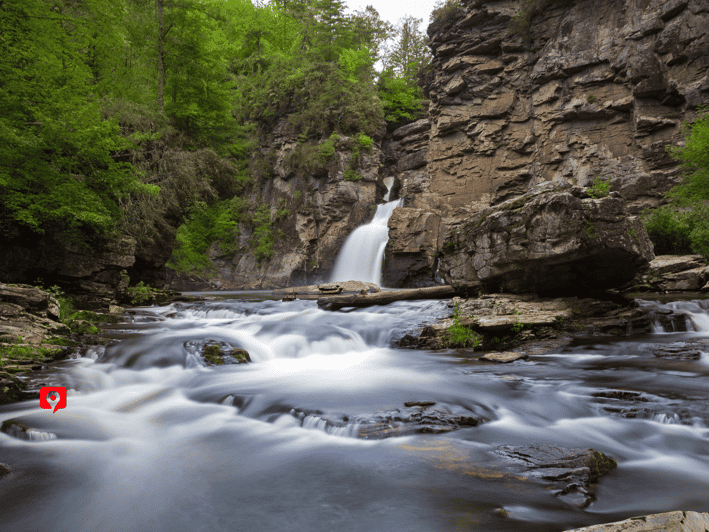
x=524, y=92
x=314, y=208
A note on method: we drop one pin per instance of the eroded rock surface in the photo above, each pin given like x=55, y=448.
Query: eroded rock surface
x=572, y=472
x=589, y=88
x=666, y=522
x=670, y=273
x=416, y=417
x=552, y=238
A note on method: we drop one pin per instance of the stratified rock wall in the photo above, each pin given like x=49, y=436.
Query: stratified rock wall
x=313, y=212
x=528, y=91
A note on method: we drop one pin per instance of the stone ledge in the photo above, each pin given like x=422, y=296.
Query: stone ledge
x=666, y=522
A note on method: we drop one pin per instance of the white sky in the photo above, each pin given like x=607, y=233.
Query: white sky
x=393, y=10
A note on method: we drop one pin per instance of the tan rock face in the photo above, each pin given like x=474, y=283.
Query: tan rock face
x=411, y=250
x=553, y=238
x=322, y=210
x=597, y=88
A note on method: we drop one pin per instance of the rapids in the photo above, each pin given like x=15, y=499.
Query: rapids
x=152, y=439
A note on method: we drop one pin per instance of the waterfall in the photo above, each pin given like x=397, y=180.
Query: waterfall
x=361, y=258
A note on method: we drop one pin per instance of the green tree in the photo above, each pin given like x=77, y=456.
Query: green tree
x=683, y=225
x=59, y=166
x=410, y=51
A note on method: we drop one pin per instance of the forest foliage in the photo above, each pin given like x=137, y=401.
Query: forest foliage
x=682, y=225
x=144, y=116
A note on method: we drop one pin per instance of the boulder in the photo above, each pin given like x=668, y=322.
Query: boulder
x=505, y=357
x=573, y=473
x=31, y=299
x=554, y=238
x=666, y=522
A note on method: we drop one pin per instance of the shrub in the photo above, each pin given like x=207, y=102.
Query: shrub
x=140, y=293
x=599, y=188
x=683, y=225
x=263, y=233
x=459, y=335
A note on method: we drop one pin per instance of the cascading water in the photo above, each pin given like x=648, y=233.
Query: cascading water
x=154, y=439
x=362, y=256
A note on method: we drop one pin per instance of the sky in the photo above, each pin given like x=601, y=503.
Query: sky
x=393, y=10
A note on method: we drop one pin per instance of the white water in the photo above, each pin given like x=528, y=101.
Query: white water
x=152, y=439
x=361, y=258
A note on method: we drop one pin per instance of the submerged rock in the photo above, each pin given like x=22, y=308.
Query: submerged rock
x=553, y=238
x=572, y=472
x=219, y=353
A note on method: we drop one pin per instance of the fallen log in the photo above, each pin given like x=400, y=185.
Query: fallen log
x=385, y=297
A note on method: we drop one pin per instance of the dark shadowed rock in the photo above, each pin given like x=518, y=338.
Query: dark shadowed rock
x=4, y=470
x=553, y=238
x=411, y=249
x=415, y=418
x=573, y=472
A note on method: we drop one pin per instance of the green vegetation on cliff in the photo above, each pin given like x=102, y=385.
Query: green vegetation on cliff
x=682, y=226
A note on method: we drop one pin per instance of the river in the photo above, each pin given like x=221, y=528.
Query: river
x=152, y=439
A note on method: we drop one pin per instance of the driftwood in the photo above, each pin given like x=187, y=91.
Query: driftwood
x=385, y=297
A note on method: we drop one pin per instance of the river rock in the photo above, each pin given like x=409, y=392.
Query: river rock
x=572, y=472
x=666, y=522
x=678, y=351
x=216, y=353
x=553, y=238
x=505, y=357
x=4, y=470
x=415, y=418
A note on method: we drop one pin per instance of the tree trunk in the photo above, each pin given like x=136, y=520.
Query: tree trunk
x=385, y=297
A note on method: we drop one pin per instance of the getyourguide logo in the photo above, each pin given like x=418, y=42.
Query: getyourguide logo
x=52, y=397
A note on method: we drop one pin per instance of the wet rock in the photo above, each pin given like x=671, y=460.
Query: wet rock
x=21, y=431
x=623, y=395
x=505, y=357
x=4, y=470
x=415, y=419
x=572, y=472
x=667, y=522
x=553, y=238
x=678, y=351
x=217, y=353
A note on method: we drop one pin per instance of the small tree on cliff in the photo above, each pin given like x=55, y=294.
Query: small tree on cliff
x=683, y=225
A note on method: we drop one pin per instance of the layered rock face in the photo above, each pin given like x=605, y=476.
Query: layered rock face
x=553, y=238
x=321, y=209
x=525, y=92
x=95, y=277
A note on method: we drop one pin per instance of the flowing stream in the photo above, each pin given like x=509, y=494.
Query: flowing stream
x=153, y=439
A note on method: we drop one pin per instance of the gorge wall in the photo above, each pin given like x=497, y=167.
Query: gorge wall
x=524, y=92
